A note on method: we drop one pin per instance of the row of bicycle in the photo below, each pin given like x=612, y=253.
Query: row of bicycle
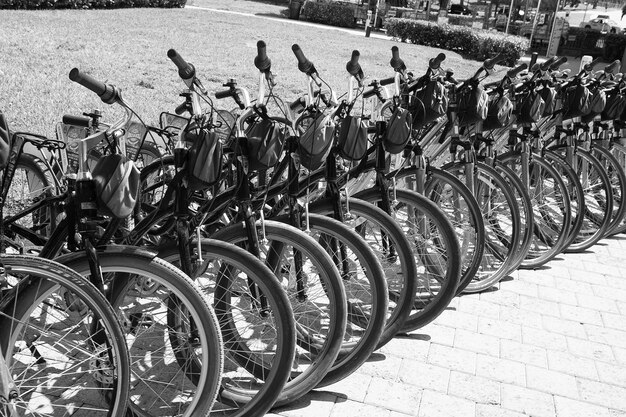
x=313, y=231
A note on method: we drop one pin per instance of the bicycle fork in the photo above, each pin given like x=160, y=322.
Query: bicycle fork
x=8, y=390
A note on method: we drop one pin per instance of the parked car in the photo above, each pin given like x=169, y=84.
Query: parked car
x=603, y=24
x=459, y=9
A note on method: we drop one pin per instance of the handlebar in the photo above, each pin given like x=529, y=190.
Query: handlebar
x=262, y=62
x=353, y=67
x=612, y=66
x=545, y=66
x=107, y=92
x=562, y=60
x=223, y=94
x=491, y=62
x=80, y=121
x=186, y=71
x=512, y=73
x=387, y=81
x=588, y=67
x=304, y=64
x=396, y=63
x=435, y=63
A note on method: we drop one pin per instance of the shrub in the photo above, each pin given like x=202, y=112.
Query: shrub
x=88, y=4
x=471, y=43
x=329, y=13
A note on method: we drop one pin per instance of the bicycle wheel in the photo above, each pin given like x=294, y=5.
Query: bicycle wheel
x=172, y=334
x=501, y=219
x=461, y=208
x=316, y=295
x=256, y=321
x=575, y=193
x=617, y=179
x=29, y=185
x=62, y=342
x=598, y=198
x=393, y=250
x=551, y=208
x=619, y=152
x=366, y=291
x=435, y=248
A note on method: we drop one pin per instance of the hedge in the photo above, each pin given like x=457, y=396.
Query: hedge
x=88, y=4
x=329, y=13
x=471, y=43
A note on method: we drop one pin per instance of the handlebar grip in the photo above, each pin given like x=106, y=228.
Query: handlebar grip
x=387, y=81
x=589, y=66
x=369, y=92
x=489, y=63
x=81, y=121
x=297, y=104
x=548, y=63
x=562, y=60
x=180, y=109
x=223, y=94
x=107, y=93
x=396, y=63
x=435, y=63
x=514, y=71
x=262, y=62
x=186, y=71
x=612, y=66
x=304, y=64
x=88, y=82
x=353, y=66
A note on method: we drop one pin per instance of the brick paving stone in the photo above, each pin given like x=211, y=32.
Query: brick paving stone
x=355, y=389
x=566, y=407
x=616, y=282
x=621, y=305
x=613, y=374
x=557, y=295
x=393, y=396
x=417, y=344
x=540, y=306
x=568, y=284
x=595, y=277
x=605, y=335
x=501, y=297
x=442, y=335
x=614, y=321
x=520, y=352
x=552, y=382
x=500, y=329
x=564, y=327
x=385, y=367
x=435, y=404
x=458, y=320
x=601, y=269
x=479, y=307
x=312, y=405
x=580, y=314
x=571, y=364
x=488, y=410
x=620, y=355
x=590, y=349
x=424, y=375
x=452, y=358
x=523, y=317
x=353, y=408
x=603, y=394
x=522, y=288
x=479, y=343
x=474, y=388
x=617, y=413
x=608, y=292
x=527, y=401
x=543, y=338
x=502, y=370
x=597, y=303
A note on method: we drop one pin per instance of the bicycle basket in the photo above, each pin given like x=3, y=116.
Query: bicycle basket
x=352, y=141
x=499, y=112
x=434, y=96
x=265, y=143
x=548, y=94
x=576, y=101
x=4, y=141
x=316, y=141
x=398, y=130
x=473, y=105
x=117, y=184
x=596, y=104
x=615, y=105
x=531, y=108
x=204, y=159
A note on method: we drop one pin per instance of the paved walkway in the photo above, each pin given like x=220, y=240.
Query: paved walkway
x=550, y=342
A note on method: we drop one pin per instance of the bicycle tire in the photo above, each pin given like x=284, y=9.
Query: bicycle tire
x=320, y=346
x=619, y=152
x=137, y=280
x=393, y=250
x=501, y=219
x=226, y=275
x=598, y=199
x=47, y=333
x=617, y=178
x=366, y=292
x=461, y=207
x=551, y=221
x=436, y=257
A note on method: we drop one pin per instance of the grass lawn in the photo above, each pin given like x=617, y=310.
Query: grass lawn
x=128, y=48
